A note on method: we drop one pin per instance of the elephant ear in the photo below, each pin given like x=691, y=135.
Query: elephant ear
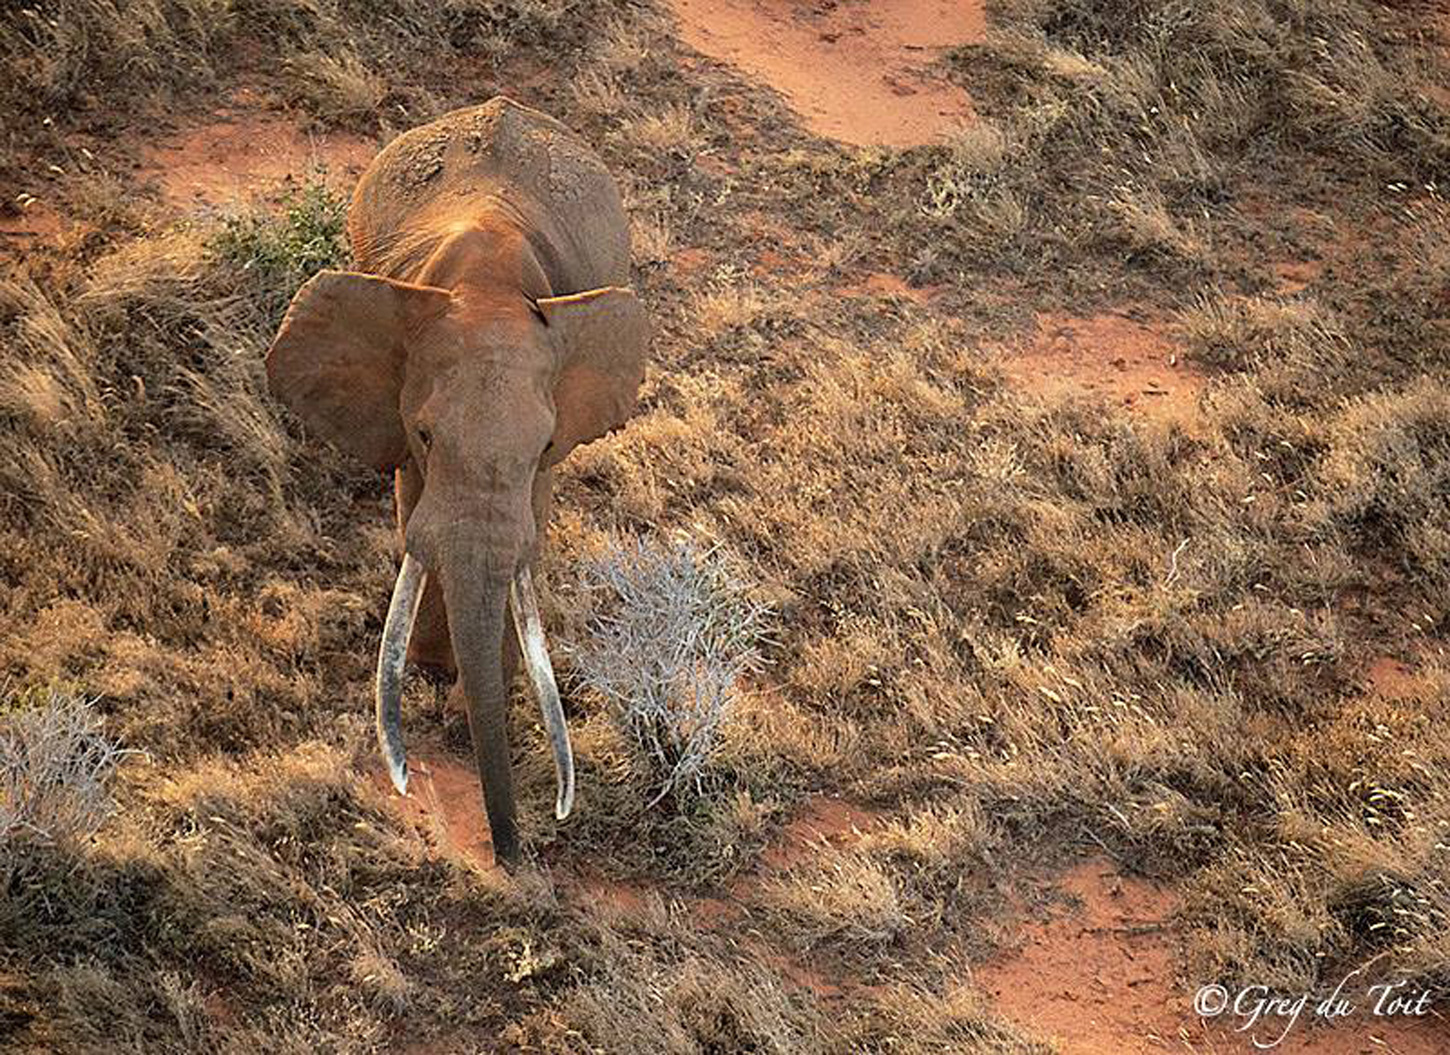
x=602, y=337
x=338, y=359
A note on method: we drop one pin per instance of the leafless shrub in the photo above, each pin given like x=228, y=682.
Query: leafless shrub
x=672, y=630
x=55, y=765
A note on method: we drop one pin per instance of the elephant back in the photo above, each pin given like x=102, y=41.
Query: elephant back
x=499, y=157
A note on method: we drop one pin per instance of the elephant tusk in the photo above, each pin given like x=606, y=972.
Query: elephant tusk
x=530, y=629
x=392, y=655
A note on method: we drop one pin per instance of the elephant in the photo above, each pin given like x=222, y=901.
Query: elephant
x=489, y=329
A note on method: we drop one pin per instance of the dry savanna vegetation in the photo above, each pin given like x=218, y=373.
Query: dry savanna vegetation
x=1009, y=628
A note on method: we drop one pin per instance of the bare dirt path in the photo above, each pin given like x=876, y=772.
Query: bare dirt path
x=1102, y=975
x=1134, y=363
x=443, y=805
x=242, y=152
x=854, y=70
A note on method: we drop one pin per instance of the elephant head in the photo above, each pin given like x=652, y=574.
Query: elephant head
x=482, y=388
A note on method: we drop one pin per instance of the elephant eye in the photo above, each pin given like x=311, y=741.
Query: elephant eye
x=425, y=439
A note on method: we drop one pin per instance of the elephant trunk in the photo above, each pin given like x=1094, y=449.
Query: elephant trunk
x=476, y=625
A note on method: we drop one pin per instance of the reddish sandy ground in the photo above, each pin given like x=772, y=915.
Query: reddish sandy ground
x=882, y=284
x=1115, y=357
x=242, y=153
x=443, y=805
x=1102, y=977
x=854, y=70
x=35, y=221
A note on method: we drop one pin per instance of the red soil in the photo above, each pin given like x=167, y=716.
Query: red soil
x=1102, y=979
x=36, y=222
x=854, y=71
x=689, y=260
x=820, y=822
x=1099, y=978
x=882, y=284
x=240, y=154
x=1112, y=356
x=445, y=805
x=1295, y=275
x=1391, y=679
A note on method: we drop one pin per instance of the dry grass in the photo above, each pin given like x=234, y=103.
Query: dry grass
x=1299, y=353
x=1127, y=126
x=844, y=898
x=598, y=91
x=83, y=60
x=1018, y=628
x=656, y=1001
x=669, y=131
x=338, y=90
